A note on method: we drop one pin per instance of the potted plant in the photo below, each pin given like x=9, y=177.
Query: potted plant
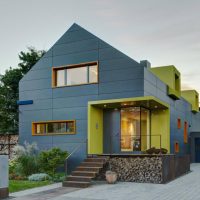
x=111, y=177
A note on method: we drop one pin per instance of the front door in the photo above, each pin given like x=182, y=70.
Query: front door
x=197, y=150
x=111, y=138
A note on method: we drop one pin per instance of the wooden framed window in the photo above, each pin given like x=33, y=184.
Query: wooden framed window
x=71, y=75
x=185, y=136
x=176, y=147
x=178, y=123
x=54, y=127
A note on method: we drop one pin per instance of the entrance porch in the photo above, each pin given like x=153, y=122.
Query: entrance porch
x=128, y=126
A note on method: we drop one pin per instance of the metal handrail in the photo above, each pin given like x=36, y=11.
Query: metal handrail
x=75, y=149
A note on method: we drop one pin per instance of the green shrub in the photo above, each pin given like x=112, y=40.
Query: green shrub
x=39, y=177
x=50, y=160
x=25, y=161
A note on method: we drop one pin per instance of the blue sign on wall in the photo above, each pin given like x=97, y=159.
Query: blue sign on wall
x=26, y=102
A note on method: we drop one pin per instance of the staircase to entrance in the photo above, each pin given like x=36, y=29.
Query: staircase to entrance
x=83, y=175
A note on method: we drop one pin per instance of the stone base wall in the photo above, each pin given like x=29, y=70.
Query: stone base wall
x=144, y=168
x=4, y=193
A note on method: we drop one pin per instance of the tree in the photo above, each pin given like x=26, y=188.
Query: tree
x=28, y=59
x=9, y=93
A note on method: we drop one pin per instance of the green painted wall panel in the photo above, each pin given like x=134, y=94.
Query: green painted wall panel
x=95, y=130
x=192, y=97
x=160, y=125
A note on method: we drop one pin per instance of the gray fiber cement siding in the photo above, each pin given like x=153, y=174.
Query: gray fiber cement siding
x=119, y=77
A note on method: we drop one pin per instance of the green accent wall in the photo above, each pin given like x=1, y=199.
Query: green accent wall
x=95, y=130
x=160, y=125
x=171, y=77
x=192, y=96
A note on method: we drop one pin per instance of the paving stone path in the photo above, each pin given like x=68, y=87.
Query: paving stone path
x=186, y=187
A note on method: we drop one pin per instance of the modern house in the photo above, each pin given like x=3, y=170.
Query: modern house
x=87, y=97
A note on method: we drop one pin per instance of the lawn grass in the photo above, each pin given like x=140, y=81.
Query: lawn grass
x=18, y=185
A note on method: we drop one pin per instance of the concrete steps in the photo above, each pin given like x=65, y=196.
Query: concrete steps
x=82, y=176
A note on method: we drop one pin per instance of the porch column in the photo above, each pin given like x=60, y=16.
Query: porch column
x=3, y=176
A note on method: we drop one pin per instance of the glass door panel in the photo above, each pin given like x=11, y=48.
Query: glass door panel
x=130, y=129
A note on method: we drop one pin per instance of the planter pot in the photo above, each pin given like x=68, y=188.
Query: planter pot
x=111, y=177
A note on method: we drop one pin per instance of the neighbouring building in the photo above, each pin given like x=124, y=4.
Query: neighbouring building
x=87, y=97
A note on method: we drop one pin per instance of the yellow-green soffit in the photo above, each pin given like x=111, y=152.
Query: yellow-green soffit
x=133, y=99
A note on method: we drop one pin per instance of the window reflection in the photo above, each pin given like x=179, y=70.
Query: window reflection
x=93, y=74
x=135, y=129
x=60, y=79
x=77, y=76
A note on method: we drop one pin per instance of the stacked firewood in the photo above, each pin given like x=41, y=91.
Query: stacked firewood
x=7, y=143
x=135, y=169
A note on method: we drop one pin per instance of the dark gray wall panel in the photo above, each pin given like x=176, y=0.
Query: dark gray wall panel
x=35, y=115
x=43, y=63
x=119, y=95
x=37, y=105
x=68, y=59
x=75, y=47
x=118, y=63
x=151, y=78
x=70, y=113
x=37, y=74
x=35, y=84
x=35, y=94
x=77, y=35
x=120, y=74
x=118, y=86
x=72, y=91
x=73, y=101
x=110, y=53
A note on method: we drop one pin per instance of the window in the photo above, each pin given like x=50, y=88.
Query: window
x=176, y=148
x=53, y=127
x=185, y=137
x=75, y=75
x=178, y=123
x=60, y=77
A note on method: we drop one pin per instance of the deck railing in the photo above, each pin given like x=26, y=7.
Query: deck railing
x=130, y=143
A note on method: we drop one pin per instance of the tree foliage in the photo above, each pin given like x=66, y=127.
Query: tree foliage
x=9, y=93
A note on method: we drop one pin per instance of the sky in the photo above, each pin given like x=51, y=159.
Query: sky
x=164, y=32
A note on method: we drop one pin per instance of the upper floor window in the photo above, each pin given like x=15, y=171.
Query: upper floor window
x=75, y=75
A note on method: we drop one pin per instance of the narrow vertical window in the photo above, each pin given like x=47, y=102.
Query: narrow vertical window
x=185, y=137
x=178, y=123
x=176, y=148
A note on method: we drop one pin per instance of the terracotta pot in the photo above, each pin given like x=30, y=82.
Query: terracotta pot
x=111, y=177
